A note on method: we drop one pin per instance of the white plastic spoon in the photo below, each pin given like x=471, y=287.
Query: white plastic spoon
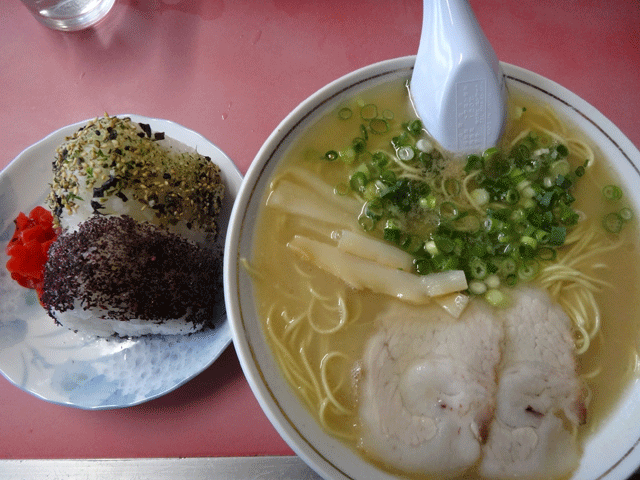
x=457, y=85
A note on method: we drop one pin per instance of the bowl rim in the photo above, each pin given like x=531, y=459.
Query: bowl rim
x=240, y=220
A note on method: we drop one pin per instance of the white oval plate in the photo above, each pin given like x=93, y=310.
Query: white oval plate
x=77, y=370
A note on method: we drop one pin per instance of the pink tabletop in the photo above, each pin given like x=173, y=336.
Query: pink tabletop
x=232, y=71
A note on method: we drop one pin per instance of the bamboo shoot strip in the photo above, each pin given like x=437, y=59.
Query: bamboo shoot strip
x=376, y=250
x=442, y=283
x=326, y=191
x=453, y=303
x=362, y=274
x=294, y=200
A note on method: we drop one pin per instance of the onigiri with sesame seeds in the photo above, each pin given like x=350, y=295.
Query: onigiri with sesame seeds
x=115, y=166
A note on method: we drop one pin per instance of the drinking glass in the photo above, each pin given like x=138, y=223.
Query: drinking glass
x=68, y=15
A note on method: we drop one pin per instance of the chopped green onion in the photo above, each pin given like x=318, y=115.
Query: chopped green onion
x=445, y=262
x=474, y=162
x=567, y=215
x=379, y=126
x=612, y=223
x=492, y=281
x=541, y=236
x=511, y=196
x=529, y=241
x=467, y=223
x=521, y=153
x=371, y=191
x=345, y=113
x=367, y=223
x=562, y=150
x=477, y=288
x=359, y=144
x=557, y=235
x=380, y=159
x=415, y=127
x=528, y=270
x=612, y=192
x=406, y=153
x=348, y=155
x=429, y=202
x=518, y=216
x=391, y=232
x=516, y=175
x=401, y=140
x=626, y=214
x=388, y=177
x=563, y=182
x=489, y=152
x=495, y=298
x=478, y=268
x=545, y=199
x=331, y=155
x=341, y=189
x=516, y=213
x=528, y=192
x=492, y=225
x=480, y=196
x=561, y=167
x=365, y=133
x=369, y=111
x=423, y=266
x=444, y=244
x=411, y=244
x=431, y=248
x=358, y=181
x=424, y=146
x=448, y=211
x=507, y=267
x=392, y=223
x=504, y=237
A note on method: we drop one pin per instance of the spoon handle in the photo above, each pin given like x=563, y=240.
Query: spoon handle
x=457, y=86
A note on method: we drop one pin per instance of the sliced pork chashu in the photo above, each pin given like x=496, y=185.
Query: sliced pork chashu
x=540, y=399
x=429, y=387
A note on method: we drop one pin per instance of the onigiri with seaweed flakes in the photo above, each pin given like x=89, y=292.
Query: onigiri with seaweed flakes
x=115, y=166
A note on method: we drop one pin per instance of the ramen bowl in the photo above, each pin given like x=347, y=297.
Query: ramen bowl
x=610, y=452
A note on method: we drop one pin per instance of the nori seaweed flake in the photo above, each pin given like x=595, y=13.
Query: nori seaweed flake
x=146, y=128
x=97, y=206
x=111, y=182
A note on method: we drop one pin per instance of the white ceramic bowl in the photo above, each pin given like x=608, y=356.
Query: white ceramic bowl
x=612, y=453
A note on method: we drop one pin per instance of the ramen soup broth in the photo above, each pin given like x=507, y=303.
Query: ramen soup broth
x=318, y=326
